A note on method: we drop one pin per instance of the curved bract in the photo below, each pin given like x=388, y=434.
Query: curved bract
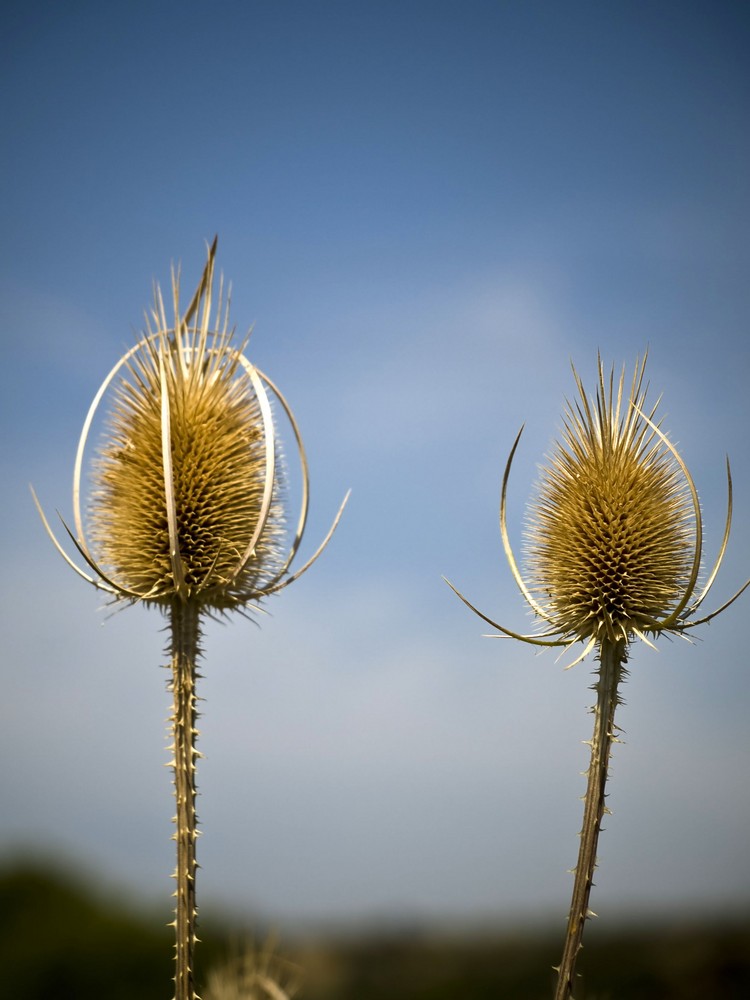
x=187, y=499
x=615, y=535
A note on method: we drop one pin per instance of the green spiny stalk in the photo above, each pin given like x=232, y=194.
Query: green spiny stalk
x=612, y=659
x=185, y=650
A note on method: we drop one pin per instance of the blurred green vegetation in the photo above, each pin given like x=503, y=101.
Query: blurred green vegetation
x=62, y=940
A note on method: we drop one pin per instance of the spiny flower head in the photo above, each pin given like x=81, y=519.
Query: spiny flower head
x=187, y=500
x=614, y=534
x=611, y=532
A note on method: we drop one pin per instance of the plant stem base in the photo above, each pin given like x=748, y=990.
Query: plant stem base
x=612, y=660
x=185, y=651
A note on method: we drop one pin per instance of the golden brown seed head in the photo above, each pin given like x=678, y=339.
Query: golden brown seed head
x=218, y=475
x=615, y=535
x=187, y=498
x=612, y=528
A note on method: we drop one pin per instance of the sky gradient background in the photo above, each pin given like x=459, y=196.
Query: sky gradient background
x=427, y=210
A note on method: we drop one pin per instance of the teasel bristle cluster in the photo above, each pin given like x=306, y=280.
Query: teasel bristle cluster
x=614, y=543
x=195, y=543
x=255, y=973
x=187, y=511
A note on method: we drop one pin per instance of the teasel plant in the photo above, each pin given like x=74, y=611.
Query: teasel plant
x=255, y=973
x=187, y=512
x=614, y=543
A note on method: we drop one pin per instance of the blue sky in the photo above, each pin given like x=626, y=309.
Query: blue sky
x=426, y=210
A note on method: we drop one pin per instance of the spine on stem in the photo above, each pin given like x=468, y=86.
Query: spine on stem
x=612, y=660
x=185, y=650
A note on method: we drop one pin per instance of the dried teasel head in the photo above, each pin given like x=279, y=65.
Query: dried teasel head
x=615, y=534
x=255, y=972
x=611, y=530
x=187, y=498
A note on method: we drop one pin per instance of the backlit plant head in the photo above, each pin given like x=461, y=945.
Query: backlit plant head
x=615, y=531
x=613, y=551
x=187, y=496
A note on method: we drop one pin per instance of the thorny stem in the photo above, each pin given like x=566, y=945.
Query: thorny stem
x=612, y=660
x=185, y=651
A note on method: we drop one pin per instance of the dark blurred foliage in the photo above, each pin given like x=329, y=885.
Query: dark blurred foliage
x=694, y=962
x=60, y=939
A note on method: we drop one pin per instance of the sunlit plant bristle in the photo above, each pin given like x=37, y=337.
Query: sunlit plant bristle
x=611, y=531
